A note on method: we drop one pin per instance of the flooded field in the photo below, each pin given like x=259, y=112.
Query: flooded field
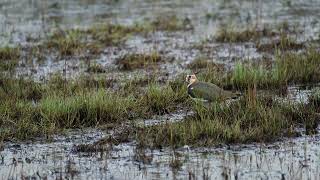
x=27, y=22
x=94, y=89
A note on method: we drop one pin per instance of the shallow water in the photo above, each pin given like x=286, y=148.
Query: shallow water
x=22, y=18
x=289, y=159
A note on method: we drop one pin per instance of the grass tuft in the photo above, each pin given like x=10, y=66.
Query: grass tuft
x=201, y=63
x=8, y=53
x=162, y=100
x=113, y=34
x=96, y=68
x=285, y=42
x=229, y=34
x=315, y=98
x=67, y=43
x=171, y=23
x=85, y=109
x=288, y=68
x=135, y=61
x=9, y=58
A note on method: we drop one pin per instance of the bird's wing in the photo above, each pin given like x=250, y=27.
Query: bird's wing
x=206, y=91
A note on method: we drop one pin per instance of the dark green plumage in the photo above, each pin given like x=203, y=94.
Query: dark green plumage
x=209, y=92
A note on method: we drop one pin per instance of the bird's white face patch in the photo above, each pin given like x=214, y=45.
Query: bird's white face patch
x=191, y=78
x=188, y=78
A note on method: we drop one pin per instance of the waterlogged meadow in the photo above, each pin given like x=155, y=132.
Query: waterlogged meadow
x=92, y=90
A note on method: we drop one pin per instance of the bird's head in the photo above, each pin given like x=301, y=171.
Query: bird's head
x=191, y=78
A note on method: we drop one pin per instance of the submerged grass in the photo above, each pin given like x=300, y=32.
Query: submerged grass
x=136, y=61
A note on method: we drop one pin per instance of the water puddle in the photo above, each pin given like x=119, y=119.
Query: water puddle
x=288, y=159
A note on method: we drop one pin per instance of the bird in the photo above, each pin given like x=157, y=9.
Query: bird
x=208, y=92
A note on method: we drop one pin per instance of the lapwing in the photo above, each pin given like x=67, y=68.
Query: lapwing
x=206, y=91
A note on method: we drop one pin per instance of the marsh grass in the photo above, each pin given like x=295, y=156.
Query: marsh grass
x=59, y=85
x=202, y=63
x=136, y=61
x=288, y=68
x=85, y=109
x=19, y=119
x=86, y=42
x=9, y=53
x=20, y=89
x=314, y=98
x=8, y=65
x=113, y=34
x=30, y=109
x=9, y=57
x=96, y=68
x=53, y=113
x=284, y=43
x=229, y=34
x=252, y=118
x=67, y=43
x=217, y=76
x=162, y=99
x=137, y=85
x=241, y=122
x=92, y=40
x=248, y=75
x=299, y=68
x=171, y=23
x=176, y=163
